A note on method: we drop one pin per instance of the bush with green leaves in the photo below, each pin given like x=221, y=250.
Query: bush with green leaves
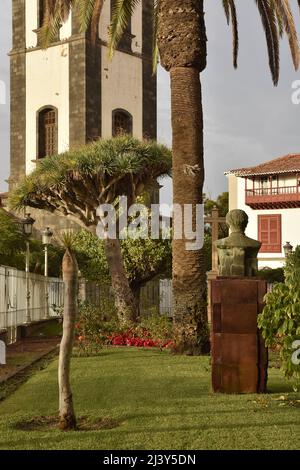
x=271, y=275
x=160, y=327
x=280, y=319
x=144, y=259
x=12, y=241
x=94, y=326
x=13, y=247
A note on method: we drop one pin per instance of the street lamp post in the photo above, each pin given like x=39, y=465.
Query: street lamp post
x=288, y=249
x=27, y=225
x=46, y=240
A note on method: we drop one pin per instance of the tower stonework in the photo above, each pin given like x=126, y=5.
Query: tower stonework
x=18, y=93
x=72, y=93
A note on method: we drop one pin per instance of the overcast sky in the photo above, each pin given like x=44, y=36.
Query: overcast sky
x=247, y=120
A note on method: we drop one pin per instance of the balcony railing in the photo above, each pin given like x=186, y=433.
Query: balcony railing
x=273, y=197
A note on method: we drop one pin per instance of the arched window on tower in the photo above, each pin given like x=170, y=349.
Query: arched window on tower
x=121, y=122
x=47, y=132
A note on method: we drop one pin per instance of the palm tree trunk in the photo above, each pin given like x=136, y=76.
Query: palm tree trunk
x=182, y=46
x=189, y=276
x=67, y=418
x=124, y=299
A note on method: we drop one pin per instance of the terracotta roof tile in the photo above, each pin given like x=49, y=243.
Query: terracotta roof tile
x=287, y=164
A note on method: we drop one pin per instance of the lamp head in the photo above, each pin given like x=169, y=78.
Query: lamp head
x=27, y=225
x=288, y=249
x=46, y=236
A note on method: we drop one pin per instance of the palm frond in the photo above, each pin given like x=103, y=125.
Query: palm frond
x=67, y=239
x=284, y=12
x=89, y=13
x=279, y=18
x=155, y=52
x=56, y=13
x=269, y=21
x=121, y=15
x=226, y=10
x=231, y=16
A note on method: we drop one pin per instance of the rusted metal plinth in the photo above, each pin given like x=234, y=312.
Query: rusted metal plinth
x=239, y=357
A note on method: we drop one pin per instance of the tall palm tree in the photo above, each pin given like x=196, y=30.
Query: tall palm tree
x=77, y=182
x=180, y=39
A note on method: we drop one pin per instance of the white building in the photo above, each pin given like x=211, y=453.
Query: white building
x=270, y=194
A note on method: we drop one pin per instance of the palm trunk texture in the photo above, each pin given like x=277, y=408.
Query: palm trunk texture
x=182, y=45
x=67, y=418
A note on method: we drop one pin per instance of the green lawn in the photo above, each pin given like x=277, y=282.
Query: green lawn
x=160, y=401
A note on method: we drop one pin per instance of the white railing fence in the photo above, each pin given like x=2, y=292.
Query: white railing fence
x=24, y=301
x=165, y=297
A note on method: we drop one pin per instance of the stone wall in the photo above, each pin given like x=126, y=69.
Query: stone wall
x=18, y=94
x=149, y=79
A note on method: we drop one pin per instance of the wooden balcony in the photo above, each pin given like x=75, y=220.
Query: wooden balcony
x=273, y=198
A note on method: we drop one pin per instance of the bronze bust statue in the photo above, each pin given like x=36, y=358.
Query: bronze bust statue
x=237, y=253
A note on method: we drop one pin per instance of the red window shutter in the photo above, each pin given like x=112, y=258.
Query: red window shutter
x=269, y=233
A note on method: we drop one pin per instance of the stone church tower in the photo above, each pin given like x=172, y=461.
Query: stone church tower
x=71, y=93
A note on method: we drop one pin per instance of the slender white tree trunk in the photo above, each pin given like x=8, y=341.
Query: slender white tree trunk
x=67, y=418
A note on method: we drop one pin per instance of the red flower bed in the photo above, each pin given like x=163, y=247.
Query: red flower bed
x=92, y=333
x=128, y=338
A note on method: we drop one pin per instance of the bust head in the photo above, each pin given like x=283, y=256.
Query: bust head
x=237, y=220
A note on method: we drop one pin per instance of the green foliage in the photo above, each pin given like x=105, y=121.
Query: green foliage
x=12, y=238
x=93, y=327
x=160, y=327
x=13, y=246
x=67, y=239
x=280, y=319
x=271, y=275
x=91, y=257
x=37, y=258
x=222, y=203
x=146, y=258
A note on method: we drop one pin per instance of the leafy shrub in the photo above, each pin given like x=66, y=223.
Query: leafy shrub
x=160, y=327
x=92, y=328
x=280, y=319
x=13, y=247
x=271, y=275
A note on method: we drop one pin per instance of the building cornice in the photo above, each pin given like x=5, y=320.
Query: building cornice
x=77, y=38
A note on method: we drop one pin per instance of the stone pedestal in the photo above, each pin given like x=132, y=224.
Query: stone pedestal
x=239, y=357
